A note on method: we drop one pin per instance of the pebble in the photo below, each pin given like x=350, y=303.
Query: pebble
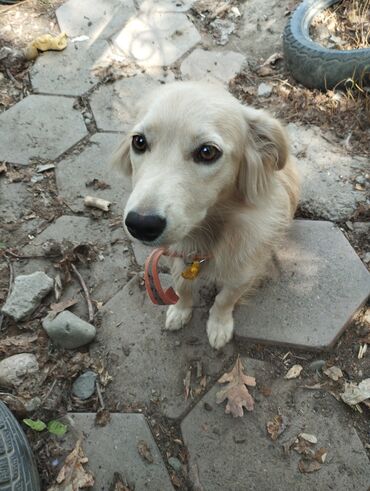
x=84, y=386
x=264, y=90
x=175, y=464
x=26, y=294
x=15, y=368
x=316, y=365
x=69, y=331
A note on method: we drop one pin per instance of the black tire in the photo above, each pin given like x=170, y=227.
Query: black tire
x=18, y=471
x=315, y=66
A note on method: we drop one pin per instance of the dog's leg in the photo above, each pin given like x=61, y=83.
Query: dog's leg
x=220, y=325
x=179, y=314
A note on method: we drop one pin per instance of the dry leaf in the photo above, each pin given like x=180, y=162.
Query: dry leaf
x=144, y=451
x=320, y=455
x=276, y=427
x=303, y=447
x=308, y=437
x=335, y=373
x=23, y=343
x=102, y=417
x=72, y=476
x=236, y=391
x=119, y=483
x=187, y=380
x=306, y=466
x=294, y=372
x=354, y=394
x=3, y=168
x=97, y=184
x=56, y=308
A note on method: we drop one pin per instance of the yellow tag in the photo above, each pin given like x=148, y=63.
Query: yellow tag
x=192, y=271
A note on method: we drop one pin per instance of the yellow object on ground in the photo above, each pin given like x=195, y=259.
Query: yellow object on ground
x=46, y=42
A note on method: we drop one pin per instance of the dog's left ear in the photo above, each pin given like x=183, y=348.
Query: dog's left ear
x=266, y=151
x=121, y=157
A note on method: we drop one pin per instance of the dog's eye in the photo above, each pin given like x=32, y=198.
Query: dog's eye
x=207, y=154
x=139, y=143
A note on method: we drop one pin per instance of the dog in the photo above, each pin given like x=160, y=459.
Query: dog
x=211, y=178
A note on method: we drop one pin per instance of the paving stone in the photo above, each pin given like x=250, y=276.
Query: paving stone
x=71, y=71
x=148, y=363
x=113, y=448
x=26, y=294
x=165, y=5
x=94, y=19
x=141, y=252
x=73, y=173
x=107, y=274
x=236, y=453
x=322, y=284
x=211, y=66
x=114, y=106
x=157, y=39
x=326, y=168
x=39, y=126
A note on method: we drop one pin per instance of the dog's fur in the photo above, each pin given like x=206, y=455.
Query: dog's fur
x=235, y=210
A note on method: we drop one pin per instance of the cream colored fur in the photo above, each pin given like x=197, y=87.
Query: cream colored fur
x=236, y=209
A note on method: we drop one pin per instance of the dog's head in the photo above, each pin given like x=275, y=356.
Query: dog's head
x=194, y=145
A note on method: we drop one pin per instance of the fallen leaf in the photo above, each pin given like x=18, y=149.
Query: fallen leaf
x=97, y=184
x=144, y=451
x=320, y=455
x=276, y=427
x=306, y=466
x=3, y=167
x=294, y=372
x=119, y=483
x=58, y=287
x=303, y=447
x=57, y=428
x=236, y=391
x=335, y=373
x=308, y=437
x=56, y=308
x=35, y=424
x=102, y=417
x=72, y=476
x=187, y=380
x=354, y=394
x=23, y=343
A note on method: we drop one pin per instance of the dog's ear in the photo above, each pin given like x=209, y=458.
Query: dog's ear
x=266, y=150
x=121, y=157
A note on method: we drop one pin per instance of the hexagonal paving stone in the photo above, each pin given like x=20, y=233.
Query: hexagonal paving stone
x=39, y=126
x=157, y=39
x=165, y=5
x=234, y=454
x=73, y=173
x=69, y=72
x=113, y=105
x=114, y=448
x=322, y=285
x=219, y=66
x=107, y=273
x=148, y=363
x=327, y=170
x=95, y=19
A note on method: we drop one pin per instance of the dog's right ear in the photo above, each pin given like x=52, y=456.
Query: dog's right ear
x=121, y=157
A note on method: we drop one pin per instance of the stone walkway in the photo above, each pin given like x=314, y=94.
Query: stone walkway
x=323, y=282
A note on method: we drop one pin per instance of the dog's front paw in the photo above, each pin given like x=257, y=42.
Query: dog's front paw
x=220, y=330
x=177, y=317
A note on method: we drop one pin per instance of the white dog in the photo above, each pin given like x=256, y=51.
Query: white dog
x=214, y=179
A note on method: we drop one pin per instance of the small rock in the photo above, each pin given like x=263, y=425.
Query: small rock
x=35, y=179
x=308, y=437
x=27, y=293
x=223, y=28
x=69, y=331
x=15, y=368
x=264, y=90
x=33, y=404
x=360, y=180
x=316, y=365
x=84, y=386
x=175, y=464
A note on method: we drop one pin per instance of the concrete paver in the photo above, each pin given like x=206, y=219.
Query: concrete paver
x=113, y=448
x=326, y=169
x=94, y=19
x=165, y=5
x=114, y=105
x=157, y=39
x=236, y=453
x=71, y=71
x=322, y=285
x=147, y=362
x=219, y=66
x=75, y=171
x=39, y=126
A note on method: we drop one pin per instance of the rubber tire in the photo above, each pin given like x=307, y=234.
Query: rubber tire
x=18, y=471
x=315, y=66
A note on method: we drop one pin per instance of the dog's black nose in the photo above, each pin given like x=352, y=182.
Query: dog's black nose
x=145, y=227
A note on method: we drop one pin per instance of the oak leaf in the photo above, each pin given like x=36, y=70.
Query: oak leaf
x=236, y=392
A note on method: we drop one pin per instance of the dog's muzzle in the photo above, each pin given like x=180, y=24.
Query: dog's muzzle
x=145, y=227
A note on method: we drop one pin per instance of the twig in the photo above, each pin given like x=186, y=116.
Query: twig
x=100, y=396
x=11, y=280
x=33, y=256
x=13, y=79
x=47, y=395
x=86, y=292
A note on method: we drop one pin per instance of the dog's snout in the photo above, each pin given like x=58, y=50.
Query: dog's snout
x=145, y=227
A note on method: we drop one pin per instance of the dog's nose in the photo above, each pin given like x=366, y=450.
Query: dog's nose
x=145, y=227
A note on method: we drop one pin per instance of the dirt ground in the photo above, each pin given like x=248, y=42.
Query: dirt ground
x=345, y=114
